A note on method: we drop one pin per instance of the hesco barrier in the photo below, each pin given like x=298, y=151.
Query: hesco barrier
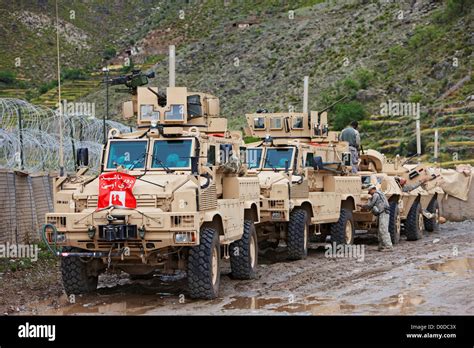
x=25, y=199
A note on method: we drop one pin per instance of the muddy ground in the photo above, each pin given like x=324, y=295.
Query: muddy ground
x=434, y=275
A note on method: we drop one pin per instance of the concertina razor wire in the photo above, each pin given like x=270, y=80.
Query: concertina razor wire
x=38, y=144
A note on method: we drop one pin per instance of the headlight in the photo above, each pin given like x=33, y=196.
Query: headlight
x=277, y=215
x=184, y=237
x=60, y=238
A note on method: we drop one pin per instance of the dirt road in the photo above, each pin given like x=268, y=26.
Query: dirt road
x=434, y=275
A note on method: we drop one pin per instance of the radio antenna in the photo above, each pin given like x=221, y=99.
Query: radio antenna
x=61, y=123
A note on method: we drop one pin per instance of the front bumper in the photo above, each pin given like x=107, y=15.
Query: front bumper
x=138, y=232
x=274, y=210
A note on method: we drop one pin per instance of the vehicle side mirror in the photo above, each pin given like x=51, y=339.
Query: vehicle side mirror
x=82, y=157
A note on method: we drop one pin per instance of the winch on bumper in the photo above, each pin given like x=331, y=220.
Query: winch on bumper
x=139, y=231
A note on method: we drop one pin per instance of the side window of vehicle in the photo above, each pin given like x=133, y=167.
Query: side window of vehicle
x=309, y=159
x=225, y=152
x=211, y=155
x=259, y=123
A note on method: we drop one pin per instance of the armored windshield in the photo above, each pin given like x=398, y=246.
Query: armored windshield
x=129, y=154
x=253, y=158
x=172, y=154
x=277, y=158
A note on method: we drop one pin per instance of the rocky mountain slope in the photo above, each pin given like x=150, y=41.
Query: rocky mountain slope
x=255, y=54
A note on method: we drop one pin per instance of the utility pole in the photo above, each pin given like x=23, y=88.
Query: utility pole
x=106, y=115
x=436, y=140
x=305, y=94
x=20, y=128
x=418, y=136
x=172, y=76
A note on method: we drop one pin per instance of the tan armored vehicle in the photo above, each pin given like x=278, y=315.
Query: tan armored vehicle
x=304, y=186
x=193, y=205
x=415, y=209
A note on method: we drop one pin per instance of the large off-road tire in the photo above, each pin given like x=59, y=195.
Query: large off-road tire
x=394, y=224
x=342, y=231
x=414, y=224
x=204, y=266
x=244, y=253
x=432, y=225
x=77, y=274
x=297, y=238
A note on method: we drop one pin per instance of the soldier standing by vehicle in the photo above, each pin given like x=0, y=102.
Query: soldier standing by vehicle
x=352, y=136
x=378, y=205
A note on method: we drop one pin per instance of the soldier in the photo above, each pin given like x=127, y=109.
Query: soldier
x=352, y=136
x=379, y=206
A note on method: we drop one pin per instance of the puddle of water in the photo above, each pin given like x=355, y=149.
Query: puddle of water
x=251, y=302
x=397, y=304
x=110, y=305
x=455, y=267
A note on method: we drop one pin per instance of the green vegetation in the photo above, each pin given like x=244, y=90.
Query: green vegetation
x=47, y=86
x=7, y=77
x=73, y=74
x=109, y=52
x=17, y=264
x=424, y=35
x=344, y=113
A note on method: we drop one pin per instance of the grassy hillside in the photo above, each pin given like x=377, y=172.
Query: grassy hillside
x=370, y=51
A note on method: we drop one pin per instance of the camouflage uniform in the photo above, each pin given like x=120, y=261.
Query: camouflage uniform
x=379, y=201
x=411, y=187
x=352, y=136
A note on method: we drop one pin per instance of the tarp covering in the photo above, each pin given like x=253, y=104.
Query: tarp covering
x=457, y=182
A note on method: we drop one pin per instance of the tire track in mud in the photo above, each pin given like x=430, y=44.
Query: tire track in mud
x=405, y=281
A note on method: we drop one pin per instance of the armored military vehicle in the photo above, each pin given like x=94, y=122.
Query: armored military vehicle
x=194, y=205
x=304, y=183
x=412, y=211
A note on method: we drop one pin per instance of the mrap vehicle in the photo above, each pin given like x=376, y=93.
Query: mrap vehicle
x=194, y=203
x=305, y=186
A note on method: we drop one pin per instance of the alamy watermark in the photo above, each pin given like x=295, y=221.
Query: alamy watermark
x=342, y=251
x=392, y=108
x=83, y=109
x=19, y=251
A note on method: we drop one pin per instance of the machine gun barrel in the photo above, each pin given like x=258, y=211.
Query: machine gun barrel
x=133, y=80
x=336, y=102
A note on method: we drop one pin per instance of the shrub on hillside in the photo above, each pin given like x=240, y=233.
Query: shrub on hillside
x=109, y=53
x=73, y=74
x=344, y=113
x=47, y=86
x=8, y=77
x=423, y=35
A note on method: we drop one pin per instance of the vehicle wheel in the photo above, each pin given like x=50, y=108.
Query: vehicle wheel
x=244, y=253
x=414, y=224
x=204, y=266
x=297, y=238
x=78, y=275
x=432, y=225
x=394, y=225
x=342, y=232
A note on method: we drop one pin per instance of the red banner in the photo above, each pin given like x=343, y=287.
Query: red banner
x=115, y=189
